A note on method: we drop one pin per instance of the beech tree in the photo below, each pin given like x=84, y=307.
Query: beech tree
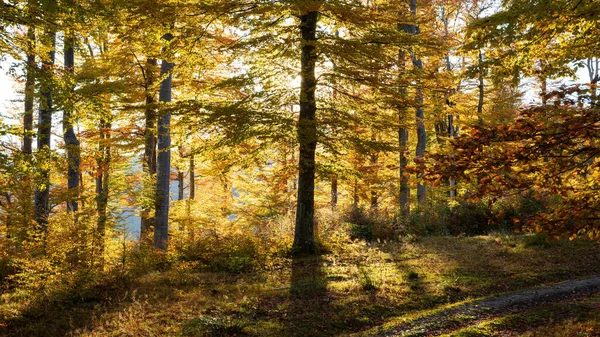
x=163, y=167
x=42, y=192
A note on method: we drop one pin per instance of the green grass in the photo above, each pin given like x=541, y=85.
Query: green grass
x=356, y=287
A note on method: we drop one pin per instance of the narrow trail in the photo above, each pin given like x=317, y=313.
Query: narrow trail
x=437, y=323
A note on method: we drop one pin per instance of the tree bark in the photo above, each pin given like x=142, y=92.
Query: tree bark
x=403, y=140
x=71, y=141
x=304, y=236
x=42, y=192
x=453, y=133
x=374, y=195
x=593, y=65
x=149, y=162
x=102, y=180
x=419, y=113
x=163, y=169
x=180, y=187
x=192, y=178
x=355, y=196
x=334, y=191
x=29, y=93
x=481, y=90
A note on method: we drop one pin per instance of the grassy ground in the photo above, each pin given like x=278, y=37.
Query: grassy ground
x=355, y=287
x=572, y=318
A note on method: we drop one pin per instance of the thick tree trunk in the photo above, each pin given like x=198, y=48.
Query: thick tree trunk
x=304, y=236
x=71, y=142
x=42, y=193
x=163, y=170
x=149, y=162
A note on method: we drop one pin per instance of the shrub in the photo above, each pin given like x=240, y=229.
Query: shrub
x=471, y=218
x=371, y=225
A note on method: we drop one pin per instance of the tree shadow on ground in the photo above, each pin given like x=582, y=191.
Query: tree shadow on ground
x=307, y=296
x=70, y=310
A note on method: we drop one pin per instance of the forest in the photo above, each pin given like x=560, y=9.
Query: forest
x=300, y=168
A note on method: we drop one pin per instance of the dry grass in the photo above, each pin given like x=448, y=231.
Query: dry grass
x=356, y=287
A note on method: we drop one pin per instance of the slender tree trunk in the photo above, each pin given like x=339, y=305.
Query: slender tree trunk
x=163, y=169
x=71, y=141
x=403, y=140
x=481, y=90
x=42, y=193
x=304, y=236
x=180, y=187
x=355, y=196
x=453, y=132
x=374, y=196
x=192, y=188
x=29, y=93
x=102, y=180
x=593, y=65
x=334, y=191
x=419, y=113
x=149, y=162
x=27, y=209
x=192, y=178
x=180, y=178
x=544, y=92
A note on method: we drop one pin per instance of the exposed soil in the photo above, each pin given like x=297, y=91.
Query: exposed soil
x=455, y=317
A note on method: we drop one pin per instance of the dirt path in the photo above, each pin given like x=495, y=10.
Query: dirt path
x=459, y=316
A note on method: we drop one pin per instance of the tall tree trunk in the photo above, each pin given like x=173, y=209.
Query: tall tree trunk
x=29, y=93
x=27, y=209
x=593, y=65
x=403, y=140
x=149, y=162
x=102, y=180
x=163, y=170
x=192, y=178
x=481, y=90
x=71, y=142
x=453, y=132
x=544, y=93
x=42, y=193
x=334, y=191
x=419, y=113
x=355, y=196
x=180, y=187
x=192, y=188
x=304, y=236
x=180, y=177
x=374, y=196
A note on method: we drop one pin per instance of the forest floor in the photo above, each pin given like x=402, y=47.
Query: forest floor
x=357, y=288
